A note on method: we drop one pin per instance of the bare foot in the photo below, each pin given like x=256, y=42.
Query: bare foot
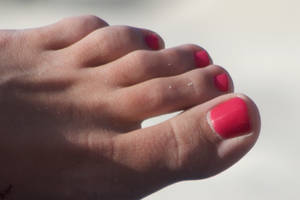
x=72, y=99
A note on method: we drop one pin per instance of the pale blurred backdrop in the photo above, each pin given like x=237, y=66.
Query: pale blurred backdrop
x=257, y=41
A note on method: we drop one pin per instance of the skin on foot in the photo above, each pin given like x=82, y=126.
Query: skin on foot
x=73, y=96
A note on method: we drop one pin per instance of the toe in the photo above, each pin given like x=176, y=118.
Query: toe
x=165, y=95
x=198, y=143
x=110, y=43
x=223, y=130
x=65, y=32
x=142, y=65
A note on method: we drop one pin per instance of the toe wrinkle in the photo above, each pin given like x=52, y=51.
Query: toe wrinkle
x=176, y=145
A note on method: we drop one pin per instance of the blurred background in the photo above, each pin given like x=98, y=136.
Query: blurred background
x=257, y=41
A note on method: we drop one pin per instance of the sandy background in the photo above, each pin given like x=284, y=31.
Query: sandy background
x=257, y=41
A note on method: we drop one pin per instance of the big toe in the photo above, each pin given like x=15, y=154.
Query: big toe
x=220, y=133
x=200, y=142
x=213, y=136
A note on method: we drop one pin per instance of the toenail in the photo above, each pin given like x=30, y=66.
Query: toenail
x=230, y=119
x=221, y=82
x=152, y=41
x=202, y=58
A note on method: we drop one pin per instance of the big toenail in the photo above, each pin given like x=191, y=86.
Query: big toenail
x=221, y=82
x=152, y=41
x=202, y=58
x=230, y=119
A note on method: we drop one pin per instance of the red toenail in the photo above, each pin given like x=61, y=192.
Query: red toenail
x=152, y=41
x=221, y=82
x=202, y=58
x=231, y=119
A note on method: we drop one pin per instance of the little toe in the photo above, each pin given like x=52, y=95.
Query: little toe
x=110, y=43
x=143, y=65
x=165, y=95
x=65, y=32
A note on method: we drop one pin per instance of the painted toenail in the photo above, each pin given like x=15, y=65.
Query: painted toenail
x=152, y=41
x=202, y=58
x=221, y=82
x=230, y=119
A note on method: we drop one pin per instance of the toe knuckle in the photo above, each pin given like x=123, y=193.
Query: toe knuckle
x=197, y=77
x=141, y=57
x=149, y=62
x=93, y=19
x=155, y=97
x=199, y=82
x=174, y=53
x=126, y=31
x=69, y=20
x=130, y=34
x=85, y=21
x=163, y=95
x=150, y=96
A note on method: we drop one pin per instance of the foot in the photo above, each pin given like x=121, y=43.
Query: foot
x=72, y=99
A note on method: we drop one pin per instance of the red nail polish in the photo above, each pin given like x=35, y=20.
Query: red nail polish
x=152, y=41
x=222, y=82
x=231, y=119
x=202, y=58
